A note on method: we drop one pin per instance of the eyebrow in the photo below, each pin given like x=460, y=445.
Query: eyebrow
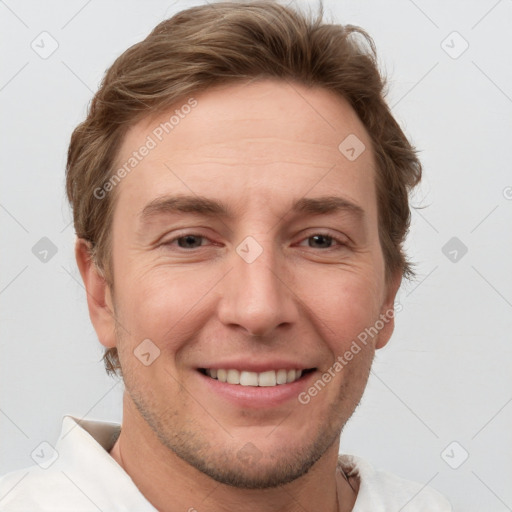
x=207, y=207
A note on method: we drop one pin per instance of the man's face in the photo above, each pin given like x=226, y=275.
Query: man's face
x=260, y=287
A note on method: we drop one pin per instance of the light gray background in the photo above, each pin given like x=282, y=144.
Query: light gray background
x=446, y=374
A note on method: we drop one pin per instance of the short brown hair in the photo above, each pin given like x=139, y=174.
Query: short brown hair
x=227, y=42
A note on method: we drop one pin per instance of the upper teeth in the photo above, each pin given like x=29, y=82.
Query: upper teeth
x=244, y=378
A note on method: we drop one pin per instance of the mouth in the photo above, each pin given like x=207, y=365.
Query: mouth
x=269, y=378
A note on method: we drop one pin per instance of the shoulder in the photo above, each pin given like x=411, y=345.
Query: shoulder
x=382, y=491
x=34, y=489
x=72, y=476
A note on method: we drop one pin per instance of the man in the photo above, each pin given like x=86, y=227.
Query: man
x=239, y=191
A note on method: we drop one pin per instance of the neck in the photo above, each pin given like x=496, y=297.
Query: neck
x=171, y=484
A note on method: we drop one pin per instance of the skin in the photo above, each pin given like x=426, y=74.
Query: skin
x=257, y=147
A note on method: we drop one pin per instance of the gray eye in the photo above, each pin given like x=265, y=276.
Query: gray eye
x=320, y=239
x=190, y=241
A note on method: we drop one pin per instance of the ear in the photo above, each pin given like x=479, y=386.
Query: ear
x=99, y=298
x=387, y=313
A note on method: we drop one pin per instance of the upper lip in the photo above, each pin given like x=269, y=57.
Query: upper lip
x=257, y=366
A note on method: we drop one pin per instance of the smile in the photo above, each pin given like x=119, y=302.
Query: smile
x=246, y=378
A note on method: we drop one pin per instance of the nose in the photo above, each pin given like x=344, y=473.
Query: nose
x=257, y=296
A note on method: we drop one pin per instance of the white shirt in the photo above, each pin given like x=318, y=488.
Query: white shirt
x=81, y=476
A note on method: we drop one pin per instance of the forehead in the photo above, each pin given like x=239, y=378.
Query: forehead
x=268, y=138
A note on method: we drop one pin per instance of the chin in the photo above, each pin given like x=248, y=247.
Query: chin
x=250, y=468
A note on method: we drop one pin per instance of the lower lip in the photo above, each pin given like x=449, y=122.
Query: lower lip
x=257, y=397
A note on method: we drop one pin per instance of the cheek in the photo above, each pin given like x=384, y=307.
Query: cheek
x=163, y=304
x=344, y=304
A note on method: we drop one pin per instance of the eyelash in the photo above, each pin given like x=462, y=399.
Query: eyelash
x=341, y=243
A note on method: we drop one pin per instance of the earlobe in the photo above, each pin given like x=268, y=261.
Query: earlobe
x=387, y=314
x=99, y=299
